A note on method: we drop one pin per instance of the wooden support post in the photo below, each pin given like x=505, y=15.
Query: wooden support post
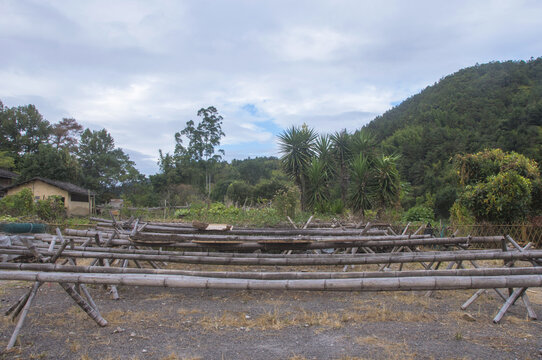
x=20, y=323
x=291, y=222
x=308, y=222
x=513, y=297
x=527, y=303
x=94, y=315
x=472, y=299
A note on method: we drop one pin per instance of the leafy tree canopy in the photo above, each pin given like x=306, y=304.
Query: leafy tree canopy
x=499, y=186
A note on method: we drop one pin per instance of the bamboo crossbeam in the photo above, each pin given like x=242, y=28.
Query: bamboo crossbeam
x=342, y=242
x=248, y=231
x=132, y=250
x=371, y=284
x=323, y=259
x=273, y=275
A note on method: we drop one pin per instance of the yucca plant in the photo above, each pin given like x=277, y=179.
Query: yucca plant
x=362, y=184
x=317, y=184
x=296, y=145
x=342, y=153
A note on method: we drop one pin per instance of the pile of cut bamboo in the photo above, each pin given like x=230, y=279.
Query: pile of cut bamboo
x=129, y=253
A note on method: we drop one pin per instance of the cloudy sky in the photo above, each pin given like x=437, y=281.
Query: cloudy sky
x=141, y=69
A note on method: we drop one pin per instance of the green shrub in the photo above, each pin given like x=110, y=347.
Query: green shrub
x=504, y=198
x=182, y=213
x=20, y=204
x=239, y=192
x=419, y=213
x=51, y=209
x=286, y=202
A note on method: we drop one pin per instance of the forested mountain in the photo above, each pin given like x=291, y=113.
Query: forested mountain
x=494, y=105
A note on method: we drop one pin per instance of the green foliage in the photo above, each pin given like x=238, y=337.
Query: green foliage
x=266, y=189
x=239, y=192
x=475, y=168
x=387, y=180
x=104, y=166
x=342, y=154
x=203, y=138
x=6, y=161
x=484, y=106
x=50, y=163
x=51, y=209
x=317, y=184
x=498, y=186
x=286, y=202
x=362, y=185
x=219, y=213
x=22, y=130
x=20, y=204
x=296, y=145
x=459, y=214
x=419, y=213
x=504, y=198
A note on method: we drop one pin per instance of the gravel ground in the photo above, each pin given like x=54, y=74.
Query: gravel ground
x=157, y=323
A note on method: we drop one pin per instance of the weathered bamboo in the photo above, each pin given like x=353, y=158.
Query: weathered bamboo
x=369, y=284
x=132, y=250
x=323, y=259
x=513, y=297
x=94, y=315
x=20, y=323
x=274, y=275
x=421, y=240
x=530, y=311
x=158, y=237
x=20, y=304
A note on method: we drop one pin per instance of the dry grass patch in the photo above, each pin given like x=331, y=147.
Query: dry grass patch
x=366, y=311
x=276, y=320
x=186, y=312
x=118, y=317
x=392, y=350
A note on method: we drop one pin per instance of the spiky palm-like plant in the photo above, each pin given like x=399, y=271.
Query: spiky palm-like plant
x=363, y=142
x=296, y=145
x=387, y=180
x=362, y=185
x=342, y=153
x=317, y=183
x=324, y=151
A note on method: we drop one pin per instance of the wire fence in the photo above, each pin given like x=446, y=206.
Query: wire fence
x=521, y=233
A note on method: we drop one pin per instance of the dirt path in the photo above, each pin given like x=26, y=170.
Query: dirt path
x=155, y=323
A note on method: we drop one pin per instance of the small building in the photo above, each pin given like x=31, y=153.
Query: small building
x=77, y=200
x=6, y=179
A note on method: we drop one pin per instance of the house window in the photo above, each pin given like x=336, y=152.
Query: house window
x=79, y=197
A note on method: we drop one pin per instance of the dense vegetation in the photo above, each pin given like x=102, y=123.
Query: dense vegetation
x=495, y=105
x=412, y=160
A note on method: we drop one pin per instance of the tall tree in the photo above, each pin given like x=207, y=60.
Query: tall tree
x=104, y=166
x=296, y=145
x=65, y=134
x=51, y=163
x=202, y=141
x=22, y=130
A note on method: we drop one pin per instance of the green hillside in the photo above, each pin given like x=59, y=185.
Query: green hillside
x=495, y=105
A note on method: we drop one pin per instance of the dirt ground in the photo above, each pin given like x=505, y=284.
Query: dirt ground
x=158, y=323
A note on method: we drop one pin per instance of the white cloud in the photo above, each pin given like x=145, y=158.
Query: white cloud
x=142, y=69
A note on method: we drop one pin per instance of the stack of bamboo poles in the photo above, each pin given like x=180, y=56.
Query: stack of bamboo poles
x=113, y=247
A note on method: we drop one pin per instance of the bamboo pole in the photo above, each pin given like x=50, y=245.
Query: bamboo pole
x=369, y=284
x=93, y=313
x=513, y=297
x=284, y=275
x=26, y=308
x=308, y=259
